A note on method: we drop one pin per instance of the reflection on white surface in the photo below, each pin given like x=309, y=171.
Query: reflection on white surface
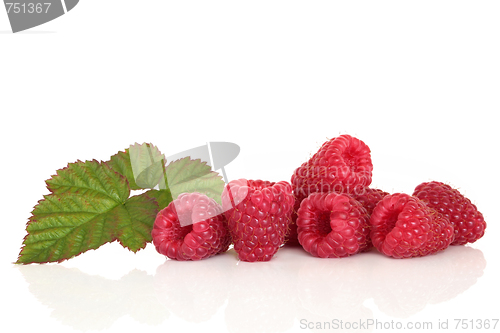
x=263, y=297
x=193, y=291
x=336, y=289
x=403, y=288
x=89, y=302
x=258, y=297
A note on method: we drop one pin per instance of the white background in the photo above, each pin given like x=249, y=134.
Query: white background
x=418, y=81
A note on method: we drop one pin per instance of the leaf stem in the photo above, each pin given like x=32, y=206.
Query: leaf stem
x=150, y=154
x=164, y=173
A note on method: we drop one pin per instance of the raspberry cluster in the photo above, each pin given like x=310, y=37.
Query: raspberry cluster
x=328, y=208
x=342, y=164
x=400, y=225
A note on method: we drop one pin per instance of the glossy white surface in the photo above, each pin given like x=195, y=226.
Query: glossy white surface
x=416, y=81
x=286, y=294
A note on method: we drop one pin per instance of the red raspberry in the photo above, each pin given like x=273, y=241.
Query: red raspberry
x=342, y=164
x=404, y=226
x=192, y=227
x=369, y=198
x=292, y=235
x=258, y=215
x=467, y=221
x=332, y=225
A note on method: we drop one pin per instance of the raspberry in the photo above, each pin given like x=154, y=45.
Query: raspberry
x=258, y=215
x=369, y=198
x=467, y=221
x=342, y=164
x=332, y=225
x=404, y=226
x=292, y=236
x=203, y=235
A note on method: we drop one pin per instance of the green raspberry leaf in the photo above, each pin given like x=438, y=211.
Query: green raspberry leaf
x=136, y=218
x=88, y=207
x=120, y=162
x=147, y=164
x=163, y=197
x=187, y=175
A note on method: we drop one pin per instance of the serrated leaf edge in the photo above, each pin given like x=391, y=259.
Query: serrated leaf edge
x=190, y=161
x=32, y=220
x=116, y=237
